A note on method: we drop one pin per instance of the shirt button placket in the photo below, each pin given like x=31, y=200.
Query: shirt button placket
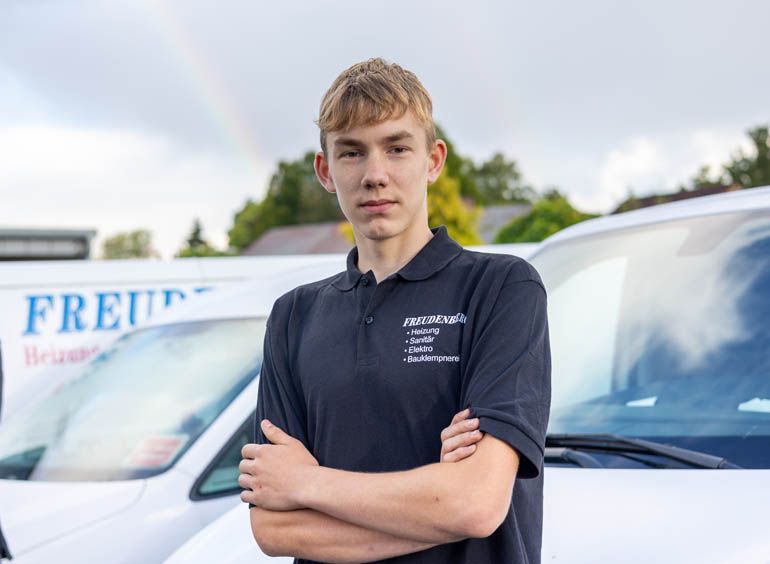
x=364, y=353
x=368, y=294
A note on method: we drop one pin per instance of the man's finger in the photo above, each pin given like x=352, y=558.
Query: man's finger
x=460, y=427
x=462, y=440
x=244, y=481
x=460, y=416
x=274, y=434
x=459, y=454
x=244, y=466
x=249, y=450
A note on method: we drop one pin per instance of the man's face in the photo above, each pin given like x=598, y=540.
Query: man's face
x=380, y=174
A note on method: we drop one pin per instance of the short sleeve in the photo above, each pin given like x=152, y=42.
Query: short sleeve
x=507, y=381
x=278, y=398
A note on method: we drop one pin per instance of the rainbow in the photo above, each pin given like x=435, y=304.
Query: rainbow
x=225, y=111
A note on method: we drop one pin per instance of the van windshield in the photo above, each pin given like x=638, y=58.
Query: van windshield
x=137, y=407
x=663, y=332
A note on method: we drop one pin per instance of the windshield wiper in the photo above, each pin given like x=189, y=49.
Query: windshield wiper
x=619, y=443
x=574, y=456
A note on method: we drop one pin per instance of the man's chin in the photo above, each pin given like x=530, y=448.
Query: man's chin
x=378, y=230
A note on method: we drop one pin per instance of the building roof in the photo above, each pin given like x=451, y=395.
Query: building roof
x=45, y=244
x=494, y=218
x=301, y=239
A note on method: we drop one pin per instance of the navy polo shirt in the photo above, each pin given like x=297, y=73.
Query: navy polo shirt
x=368, y=374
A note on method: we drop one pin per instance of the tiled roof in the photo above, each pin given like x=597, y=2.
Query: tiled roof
x=493, y=218
x=301, y=239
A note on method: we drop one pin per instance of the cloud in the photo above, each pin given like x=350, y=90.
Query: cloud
x=645, y=165
x=639, y=164
x=586, y=101
x=114, y=180
x=713, y=148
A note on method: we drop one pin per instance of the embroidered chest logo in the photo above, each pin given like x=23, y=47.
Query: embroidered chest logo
x=419, y=340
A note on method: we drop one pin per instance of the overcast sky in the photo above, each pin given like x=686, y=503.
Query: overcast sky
x=145, y=114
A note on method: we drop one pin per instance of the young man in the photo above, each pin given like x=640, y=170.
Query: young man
x=362, y=371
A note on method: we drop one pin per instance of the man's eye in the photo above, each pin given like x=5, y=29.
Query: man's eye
x=349, y=154
x=400, y=150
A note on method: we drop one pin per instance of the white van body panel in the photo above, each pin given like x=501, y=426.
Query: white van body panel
x=228, y=540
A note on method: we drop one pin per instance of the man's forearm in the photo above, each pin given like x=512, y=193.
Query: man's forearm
x=309, y=534
x=427, y=504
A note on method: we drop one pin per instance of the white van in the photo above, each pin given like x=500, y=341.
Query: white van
x=128, y=460
x=658, y=446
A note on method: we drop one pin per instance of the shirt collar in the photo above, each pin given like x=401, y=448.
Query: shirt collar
x=435, y=255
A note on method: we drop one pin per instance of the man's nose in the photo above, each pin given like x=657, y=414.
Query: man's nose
x=375, y=173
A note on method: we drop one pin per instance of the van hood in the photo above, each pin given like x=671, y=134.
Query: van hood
x=34, y=513
x=641, y=516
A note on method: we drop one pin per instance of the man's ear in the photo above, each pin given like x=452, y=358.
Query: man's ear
x=321, y=165
x=436, y=160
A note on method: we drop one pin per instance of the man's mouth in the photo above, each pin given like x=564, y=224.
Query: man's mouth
x=377, y=206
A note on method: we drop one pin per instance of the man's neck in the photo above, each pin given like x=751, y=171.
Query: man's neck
x=386, y=256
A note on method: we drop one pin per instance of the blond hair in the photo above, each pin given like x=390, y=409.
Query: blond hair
x=371, y=92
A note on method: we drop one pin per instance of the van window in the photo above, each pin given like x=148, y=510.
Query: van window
x=137, y=407
x=661, y=332
x=221, y=478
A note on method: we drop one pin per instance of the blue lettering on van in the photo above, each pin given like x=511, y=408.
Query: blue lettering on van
x=71, y=316
x=150, y=301
x=36, y=312
x=104, y=307
x=108, y=311
x=170, y=293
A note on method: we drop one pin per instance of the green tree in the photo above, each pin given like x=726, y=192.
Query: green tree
x=132, y=244
x=197, y=246
x=702, y=178
x=294, y=196
x=630, y=203
x=498, y=181
x=749, y=171
x=460, y=168
x=548, y=215
x=445, y=206
x=196, y=236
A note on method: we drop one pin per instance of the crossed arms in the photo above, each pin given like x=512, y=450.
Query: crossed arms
x=309, y=511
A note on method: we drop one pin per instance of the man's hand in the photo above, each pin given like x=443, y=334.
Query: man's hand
x=274, y=472
x=459, y=440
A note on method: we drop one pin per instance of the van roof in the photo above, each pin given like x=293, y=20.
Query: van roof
x=739, y=200
x=253, y=298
